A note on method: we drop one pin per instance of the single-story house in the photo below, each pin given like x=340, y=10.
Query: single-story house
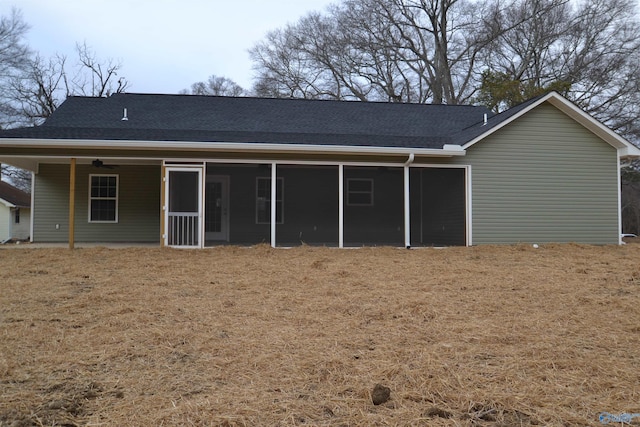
x=197, y=171
x=15, y=213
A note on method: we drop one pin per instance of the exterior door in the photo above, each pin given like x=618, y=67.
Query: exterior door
x=183, y=210
x=216, y=221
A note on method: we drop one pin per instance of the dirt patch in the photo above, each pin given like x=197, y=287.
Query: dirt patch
x=483, y=336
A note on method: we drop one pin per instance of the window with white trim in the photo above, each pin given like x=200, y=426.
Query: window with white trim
x=359, y=192
x=103, y=198
x=263, y=200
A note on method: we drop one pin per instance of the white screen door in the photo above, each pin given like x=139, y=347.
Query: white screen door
x=216, y=223
x=183, y=224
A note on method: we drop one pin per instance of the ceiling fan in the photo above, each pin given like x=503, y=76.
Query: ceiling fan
x=97, y=163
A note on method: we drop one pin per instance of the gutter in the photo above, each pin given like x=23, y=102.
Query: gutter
x=409, y=160
x=447, y=150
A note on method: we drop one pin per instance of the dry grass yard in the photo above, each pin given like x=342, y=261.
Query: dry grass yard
x=482, y=336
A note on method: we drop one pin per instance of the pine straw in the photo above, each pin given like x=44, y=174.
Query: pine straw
x=487, y=336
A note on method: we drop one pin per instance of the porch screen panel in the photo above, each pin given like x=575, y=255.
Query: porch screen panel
x=438, y=207
x=183, y=208
x=213, y=208
x=373, y=206
x=310, y=206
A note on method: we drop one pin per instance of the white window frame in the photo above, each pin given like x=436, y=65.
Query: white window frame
x=350, y=192
x=279, y=200
x=116, y=198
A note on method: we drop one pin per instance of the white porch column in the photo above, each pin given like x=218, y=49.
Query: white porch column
x=407, y=210
x=407, y=203
x=274, y=188
x=340, y=205
x=31, y=210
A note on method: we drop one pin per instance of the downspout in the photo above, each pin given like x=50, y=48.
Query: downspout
x=407, y=203
x=409, y=160
x=620, y=241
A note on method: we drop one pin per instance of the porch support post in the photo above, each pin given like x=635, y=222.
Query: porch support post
x=341, y=206
x=31, y=211
x=163, y=207
x=72, y=202
x=273, y=204
x=407, y=204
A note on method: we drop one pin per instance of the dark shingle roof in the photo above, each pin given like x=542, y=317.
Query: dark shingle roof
x=474, y=131
x=14, y=195
x=259, y=120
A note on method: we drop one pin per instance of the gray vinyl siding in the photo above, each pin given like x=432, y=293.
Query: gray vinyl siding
x=51, y=204
x=544, y=178
x=138, y=205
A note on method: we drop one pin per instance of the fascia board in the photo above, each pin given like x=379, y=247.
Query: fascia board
x=447, y=151
x=20, y=162
x=6, y=203
x=571, y=110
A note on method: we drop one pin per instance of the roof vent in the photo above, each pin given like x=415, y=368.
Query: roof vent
x=124, y=115
x=484, y=122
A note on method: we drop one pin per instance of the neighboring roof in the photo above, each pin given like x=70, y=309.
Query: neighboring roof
x=254, y=120
x=14, y=196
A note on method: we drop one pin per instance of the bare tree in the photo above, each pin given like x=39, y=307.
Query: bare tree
x=38, y=91
x=335, y=56
x=32, y=88
x=44, y=84
x=95, y=77
x=216, y=85
x=14, y=59
x=283, y=69
x=19, y=178
x=591, y=49
x=391, y=50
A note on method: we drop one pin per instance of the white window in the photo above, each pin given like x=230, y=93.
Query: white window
x=263, y=200
x=359, y=192
x=103, y=198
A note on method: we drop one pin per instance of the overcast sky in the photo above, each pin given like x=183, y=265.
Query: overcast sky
x=164, y=45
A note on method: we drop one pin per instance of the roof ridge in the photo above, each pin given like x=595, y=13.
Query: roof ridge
x=260, y=98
